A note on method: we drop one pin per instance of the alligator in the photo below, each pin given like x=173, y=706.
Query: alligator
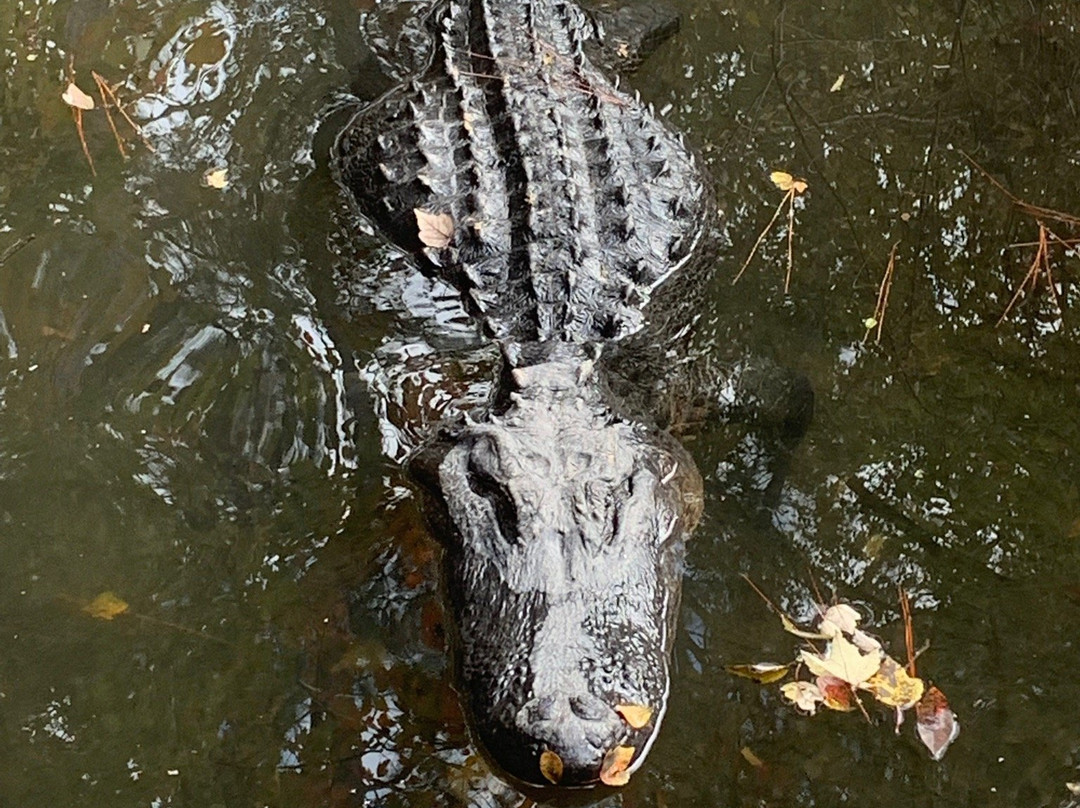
x=559, y=206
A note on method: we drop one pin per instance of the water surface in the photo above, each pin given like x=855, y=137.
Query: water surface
x=204, y=393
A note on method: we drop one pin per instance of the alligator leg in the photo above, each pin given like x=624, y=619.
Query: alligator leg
x=630, y=31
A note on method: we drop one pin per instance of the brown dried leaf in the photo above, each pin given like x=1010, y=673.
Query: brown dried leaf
x=435, y=229
x=613, y=771
x=764, y=673
x=836, y=694
x=636, y=715
x=551, y=766
x=105, y=606
x=937, y=726
x=74, y=97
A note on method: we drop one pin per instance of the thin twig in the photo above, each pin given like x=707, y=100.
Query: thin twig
x=108, y=115
x=909, y=631
x=120, y=108
x=776, y=609
x=82, y=138
x=1026, y=207
x=761, y=237
x=790, y=238
x=14, y=248
x=883, y=297
x=1032, y=276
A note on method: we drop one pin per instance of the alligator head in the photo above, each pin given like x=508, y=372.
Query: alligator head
x=564, y=524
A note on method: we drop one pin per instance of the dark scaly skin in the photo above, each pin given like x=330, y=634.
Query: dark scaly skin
x=564, y=517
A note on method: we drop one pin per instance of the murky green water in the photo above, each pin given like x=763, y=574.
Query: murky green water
x=202, y=393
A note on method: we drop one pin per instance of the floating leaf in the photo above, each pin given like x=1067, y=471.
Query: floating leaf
x=435, y=229
x=751, y=758
x=836, y=85
x=105, y=606
x=791, y=628
x=636, y=715
x=937, y=726
x=892, y=685
x=864, y=642
x=782, y=180
x=836, y=694
x=613, y=771
x=844, y=661
x=839, y=619
x=74, y=97
x=551, y=766
x=870, y=323
x=786, y=182
x=216, y=178
x=806, y=696
x=764, y=673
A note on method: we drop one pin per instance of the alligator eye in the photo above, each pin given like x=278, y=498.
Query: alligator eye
x=484, y=485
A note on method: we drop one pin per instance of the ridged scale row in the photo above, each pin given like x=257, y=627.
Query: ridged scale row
x=570, y=201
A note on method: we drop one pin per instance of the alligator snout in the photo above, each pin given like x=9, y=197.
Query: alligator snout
x=580, y=729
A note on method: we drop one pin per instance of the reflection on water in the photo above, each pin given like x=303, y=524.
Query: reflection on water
x=204, y=394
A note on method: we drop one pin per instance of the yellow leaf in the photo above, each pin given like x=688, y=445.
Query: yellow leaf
x=799, y=187
x=791, y=628
x=782, y=180
x=751, y=758
x=764, y=673
x=804, y=695
x=870, y=323
x=75, y=97
x=836, y=85
x=613, y=771
x=551, y=766
x=105, y=606
x=844, y=661
x=892, y=686
x=636, y=715
x=436, y=229
x=216, y=178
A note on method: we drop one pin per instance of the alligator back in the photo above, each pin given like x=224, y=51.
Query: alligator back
x=553, y=201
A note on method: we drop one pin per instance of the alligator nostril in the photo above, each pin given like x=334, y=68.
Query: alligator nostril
x=545, y=708
x=588, y=707
x=598, y=735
